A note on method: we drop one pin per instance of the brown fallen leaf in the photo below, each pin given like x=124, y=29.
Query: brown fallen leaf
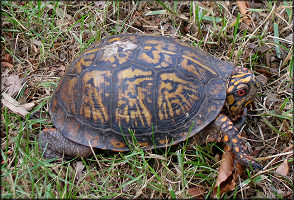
x=7, y=64
x=196, y=192
x=262, y=79
x=243, y=6
x=227, y=175
x=283, y=169
x=13, y=105
x=79, y=169
x=265, y=72
x=272, y=97
x=14, y=84
x=28, y=106
x=6, y=58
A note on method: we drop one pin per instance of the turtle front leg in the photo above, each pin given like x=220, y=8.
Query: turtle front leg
x=54, y=144
x=230, y=135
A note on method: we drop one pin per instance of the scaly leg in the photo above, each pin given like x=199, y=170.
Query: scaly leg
x=54, y=144
x=230, y=135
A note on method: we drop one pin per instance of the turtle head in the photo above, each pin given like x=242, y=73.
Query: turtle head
x=242, y=87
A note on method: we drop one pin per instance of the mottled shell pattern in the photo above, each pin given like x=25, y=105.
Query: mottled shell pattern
x=155, y=86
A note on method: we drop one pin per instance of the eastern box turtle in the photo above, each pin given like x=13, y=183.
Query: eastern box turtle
x=156, y=86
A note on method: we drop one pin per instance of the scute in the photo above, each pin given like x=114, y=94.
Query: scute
x=156, y=86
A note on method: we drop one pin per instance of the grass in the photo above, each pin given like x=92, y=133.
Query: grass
x=44, y=37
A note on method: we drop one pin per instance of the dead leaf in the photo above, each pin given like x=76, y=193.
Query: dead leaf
x=243, y=6
x=28, y=106
x=227, y=175
x=7, y=64
x=265, y=72
x=35, y=48
x=272, y=97
x=37, y=42
x=262, y=79
x=13, y=105
x=196, y=192
x=14, y=84
x=79, y=169
x=283, y=169
x=263, y=49
x=6, y=58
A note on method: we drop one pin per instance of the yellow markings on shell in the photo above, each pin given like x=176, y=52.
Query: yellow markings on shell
x=114, y=39
x=190, y=68
x=117, y=144
x=144, y=144
x=91, y=56
x=147, y=47
x=148, y=59
x=199, y=63
x=159, y=54
x=81, y=63
x=110, y=59
x=141, y=112
x=178, y=111
x=163, y=141
x=72, y=86
x=68, y=90
x=92, y=50
x=159, y=46
x=95, y=94
x=239, y=136
x=166, y=99
x=117, y=52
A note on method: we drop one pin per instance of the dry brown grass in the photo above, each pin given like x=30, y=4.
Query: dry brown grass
x=39, y=39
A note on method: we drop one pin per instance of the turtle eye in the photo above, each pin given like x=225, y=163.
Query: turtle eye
x=241, y=92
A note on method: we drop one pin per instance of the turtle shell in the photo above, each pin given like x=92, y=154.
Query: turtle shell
x=147, y=90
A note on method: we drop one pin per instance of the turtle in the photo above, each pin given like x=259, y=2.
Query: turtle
x=147, y=91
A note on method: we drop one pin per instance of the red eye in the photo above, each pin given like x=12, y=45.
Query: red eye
x=241, y=93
